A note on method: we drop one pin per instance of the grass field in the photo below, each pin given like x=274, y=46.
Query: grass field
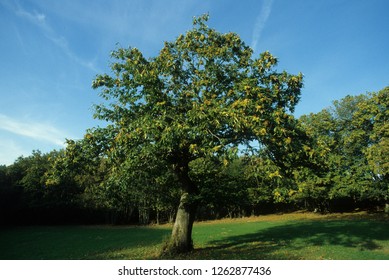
x=288, y=236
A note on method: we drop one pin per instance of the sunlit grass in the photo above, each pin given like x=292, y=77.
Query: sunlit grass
x=289, y=236
x=295, y=236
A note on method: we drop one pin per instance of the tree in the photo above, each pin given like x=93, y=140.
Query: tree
x=201, y=97
x=378, y=114
x=350, y=139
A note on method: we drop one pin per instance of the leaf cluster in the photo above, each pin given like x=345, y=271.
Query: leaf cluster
x=201, y=96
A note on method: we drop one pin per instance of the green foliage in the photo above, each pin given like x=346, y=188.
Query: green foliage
x=201, y=96
x=29, y=175
x=263, y=181
x=223, y=189
x=378, y=152
x=347, y=142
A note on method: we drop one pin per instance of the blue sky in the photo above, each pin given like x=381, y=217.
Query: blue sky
x=50, y=51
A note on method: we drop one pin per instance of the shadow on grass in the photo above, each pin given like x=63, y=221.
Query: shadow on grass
x=346, y=239
x=77, y=242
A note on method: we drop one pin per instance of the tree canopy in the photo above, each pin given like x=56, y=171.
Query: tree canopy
x=202, y=96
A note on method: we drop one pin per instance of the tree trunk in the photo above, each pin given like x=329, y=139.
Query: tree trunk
x=181, y=239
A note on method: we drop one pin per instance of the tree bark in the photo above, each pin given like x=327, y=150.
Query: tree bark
x=181, y=238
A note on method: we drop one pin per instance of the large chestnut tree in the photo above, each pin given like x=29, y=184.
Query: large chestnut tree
x=204, y=95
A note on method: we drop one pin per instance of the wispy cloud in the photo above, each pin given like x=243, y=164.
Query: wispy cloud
x=37, y=18
x=35, y=130
x=10, y=150
x=40, y=20
x=261, y=22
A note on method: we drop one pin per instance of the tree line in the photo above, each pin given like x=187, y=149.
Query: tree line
x=348, y=168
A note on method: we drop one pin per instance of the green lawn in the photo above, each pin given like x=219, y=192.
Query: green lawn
x=289, y=236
